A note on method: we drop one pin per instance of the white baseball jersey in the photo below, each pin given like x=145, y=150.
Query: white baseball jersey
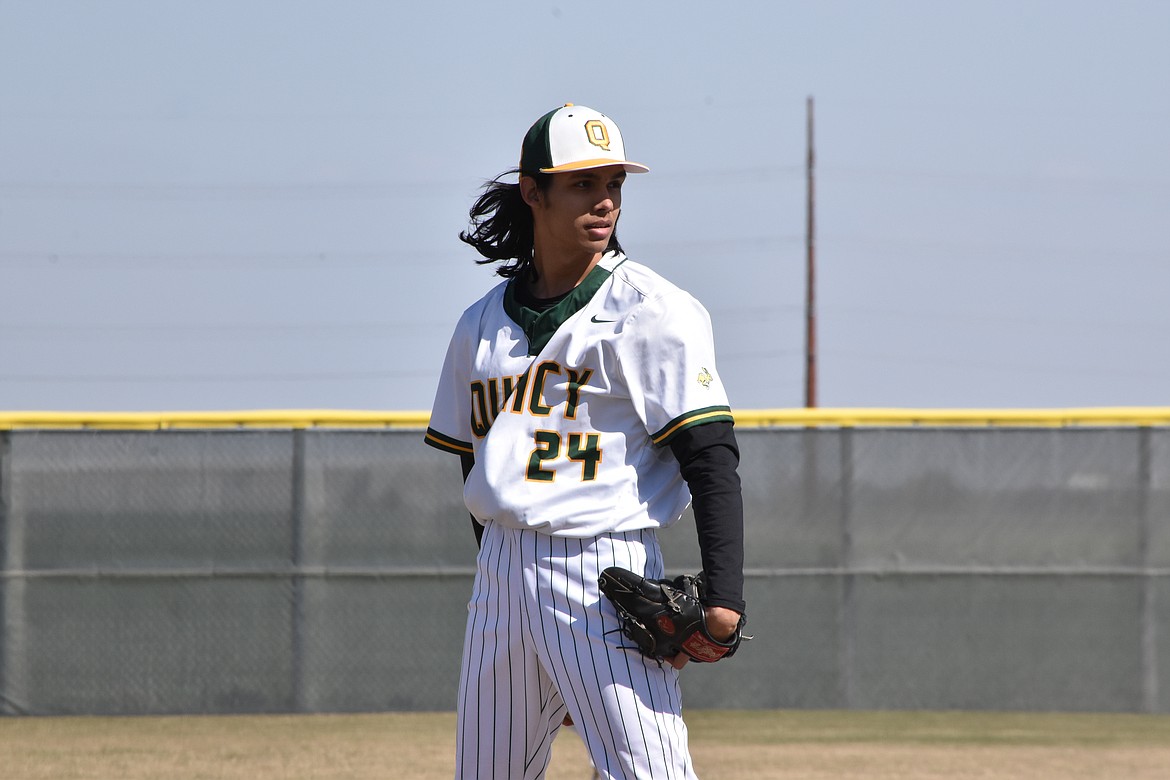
x=566, y=411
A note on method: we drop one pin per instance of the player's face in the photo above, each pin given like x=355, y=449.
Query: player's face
x=579, y=211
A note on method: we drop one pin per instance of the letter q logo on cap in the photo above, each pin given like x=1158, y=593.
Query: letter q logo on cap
x=597, y=133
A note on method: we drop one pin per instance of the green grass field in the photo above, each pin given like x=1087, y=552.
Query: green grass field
x=726, y=745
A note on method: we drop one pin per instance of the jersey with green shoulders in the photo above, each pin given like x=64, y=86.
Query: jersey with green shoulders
x=567, y=411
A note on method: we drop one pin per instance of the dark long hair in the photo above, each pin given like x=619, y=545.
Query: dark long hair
x=500, y=225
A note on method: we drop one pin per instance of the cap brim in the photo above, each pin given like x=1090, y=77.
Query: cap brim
x=599, y=162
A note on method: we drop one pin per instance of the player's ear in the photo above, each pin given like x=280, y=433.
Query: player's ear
x=529, y=191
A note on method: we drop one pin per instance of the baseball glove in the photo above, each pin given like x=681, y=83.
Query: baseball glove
x=665, y=617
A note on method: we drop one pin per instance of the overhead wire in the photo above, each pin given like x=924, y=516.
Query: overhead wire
x=236, y=261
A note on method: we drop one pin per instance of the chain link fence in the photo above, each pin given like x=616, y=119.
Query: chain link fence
x=241, y=571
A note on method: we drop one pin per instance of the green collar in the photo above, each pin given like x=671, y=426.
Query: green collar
x=539, y=327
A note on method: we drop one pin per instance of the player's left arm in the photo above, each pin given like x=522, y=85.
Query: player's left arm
x=670, y=355
x=708, y=457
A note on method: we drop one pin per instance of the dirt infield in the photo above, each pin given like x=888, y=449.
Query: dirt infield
x=726, y=746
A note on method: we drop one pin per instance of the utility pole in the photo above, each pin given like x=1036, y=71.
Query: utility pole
x=810, y=309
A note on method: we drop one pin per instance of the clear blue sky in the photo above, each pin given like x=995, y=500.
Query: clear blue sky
x=254, y=204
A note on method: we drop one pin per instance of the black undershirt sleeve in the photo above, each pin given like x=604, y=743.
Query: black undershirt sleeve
x=467, y=462
x=708, y=456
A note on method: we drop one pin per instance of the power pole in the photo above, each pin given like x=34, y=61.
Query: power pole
x=810, y=308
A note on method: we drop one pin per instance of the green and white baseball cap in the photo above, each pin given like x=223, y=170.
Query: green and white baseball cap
x=573, y=138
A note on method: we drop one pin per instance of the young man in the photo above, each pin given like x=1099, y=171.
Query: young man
x=583, y=398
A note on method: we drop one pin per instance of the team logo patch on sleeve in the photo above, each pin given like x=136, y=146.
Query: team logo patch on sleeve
x=705, y=378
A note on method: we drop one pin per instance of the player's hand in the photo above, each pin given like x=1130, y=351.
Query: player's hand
x=721, y=622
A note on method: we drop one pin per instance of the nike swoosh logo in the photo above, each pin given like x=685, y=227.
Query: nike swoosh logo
x=599, y=322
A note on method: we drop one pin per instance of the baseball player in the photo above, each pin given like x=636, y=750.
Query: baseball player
x=583, y=398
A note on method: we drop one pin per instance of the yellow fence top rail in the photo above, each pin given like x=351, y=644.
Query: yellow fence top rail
x=1124, y=416
x=261, y=418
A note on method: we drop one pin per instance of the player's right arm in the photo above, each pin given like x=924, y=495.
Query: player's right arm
x=449, y=428
x=468, y=463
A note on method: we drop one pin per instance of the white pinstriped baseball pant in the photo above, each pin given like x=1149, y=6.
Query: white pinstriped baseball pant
x=541, y=641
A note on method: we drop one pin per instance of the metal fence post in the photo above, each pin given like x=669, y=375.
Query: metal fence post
x=13, y=679
x=4, y=708
x=1149, y=616
x=848, y=607
x=296, y=556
